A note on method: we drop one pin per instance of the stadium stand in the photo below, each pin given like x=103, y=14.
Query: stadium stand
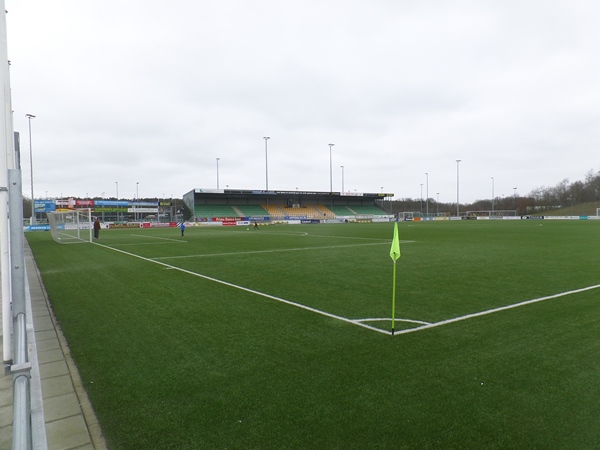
x=274, y=210
x=280, y=211
x=252, y=210
x=342, y=211
x=208, y=211
x=367, y=210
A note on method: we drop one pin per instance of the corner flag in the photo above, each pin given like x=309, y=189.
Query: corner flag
x=395, y=250
x=394, y=254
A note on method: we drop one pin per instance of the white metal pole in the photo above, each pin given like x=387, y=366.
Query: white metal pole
x=31, y=116
x=330, y=170
x=492, y=196
x=5, y=131
x=266, y=138
x=427, y=196
x=457, y=184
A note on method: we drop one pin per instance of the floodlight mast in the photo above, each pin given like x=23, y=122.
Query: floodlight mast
x=492, y=196
x=29, y=117
x=457, y=184
x=427, y=195
x=266, y=138
x=5, y=263
x=330, y=170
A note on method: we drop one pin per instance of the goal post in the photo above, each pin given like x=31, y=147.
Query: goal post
x=71, y=227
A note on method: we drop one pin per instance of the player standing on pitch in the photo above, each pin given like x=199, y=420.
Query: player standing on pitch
x=96, y=229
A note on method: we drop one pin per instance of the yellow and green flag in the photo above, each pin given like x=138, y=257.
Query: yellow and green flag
x=395, y=250
x=394, y=254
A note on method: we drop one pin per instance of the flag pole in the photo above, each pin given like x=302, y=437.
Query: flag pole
x=394, y=254
x=394, y=300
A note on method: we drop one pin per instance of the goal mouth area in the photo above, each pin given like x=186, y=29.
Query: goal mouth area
x=72, y=226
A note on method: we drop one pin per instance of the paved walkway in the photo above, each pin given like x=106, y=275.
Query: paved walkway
x=62, y=417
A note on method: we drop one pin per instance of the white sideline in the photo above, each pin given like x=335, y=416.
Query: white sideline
x=262, y=294
x=279, y=250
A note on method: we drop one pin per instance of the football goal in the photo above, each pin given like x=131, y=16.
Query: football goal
x=71, y=227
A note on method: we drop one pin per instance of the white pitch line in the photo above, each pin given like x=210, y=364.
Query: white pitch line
x=158, y=238
x=495, y=310
x=341, y=237
x=389, y=319
x=262, y=294
x=266, y=251
x=147, y=243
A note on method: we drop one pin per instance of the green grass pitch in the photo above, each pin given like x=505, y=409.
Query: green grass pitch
x=280, y=337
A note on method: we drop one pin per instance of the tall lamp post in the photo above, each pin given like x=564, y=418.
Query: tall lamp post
x=457, y=184
x=515, y=196
x=437, y=204
x=330, y=170
x=218, y=172
x=137, y=197
x=342, y=179
x=29, y=117
x=427, y=195
x=492, y=196
x=117, y=184
x=266, y=138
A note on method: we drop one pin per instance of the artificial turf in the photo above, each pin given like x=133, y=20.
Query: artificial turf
x=175, y=360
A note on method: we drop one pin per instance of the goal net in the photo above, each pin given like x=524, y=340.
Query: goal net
x=71, y=227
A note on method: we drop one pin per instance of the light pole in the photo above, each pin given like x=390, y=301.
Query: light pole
x=29, y=117
x=330, y=170
x=492, y=196
x=218, y=172
x=266, y=138
x=437, y=204
x=457, y=184
x=137, y=197
x=427, y=195
x=515, y=196
x=342, y=179
x=117, y=183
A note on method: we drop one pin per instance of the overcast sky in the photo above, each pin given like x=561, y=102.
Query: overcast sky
x=129, y=91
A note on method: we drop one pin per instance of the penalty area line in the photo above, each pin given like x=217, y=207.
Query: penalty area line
x=251, y=291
